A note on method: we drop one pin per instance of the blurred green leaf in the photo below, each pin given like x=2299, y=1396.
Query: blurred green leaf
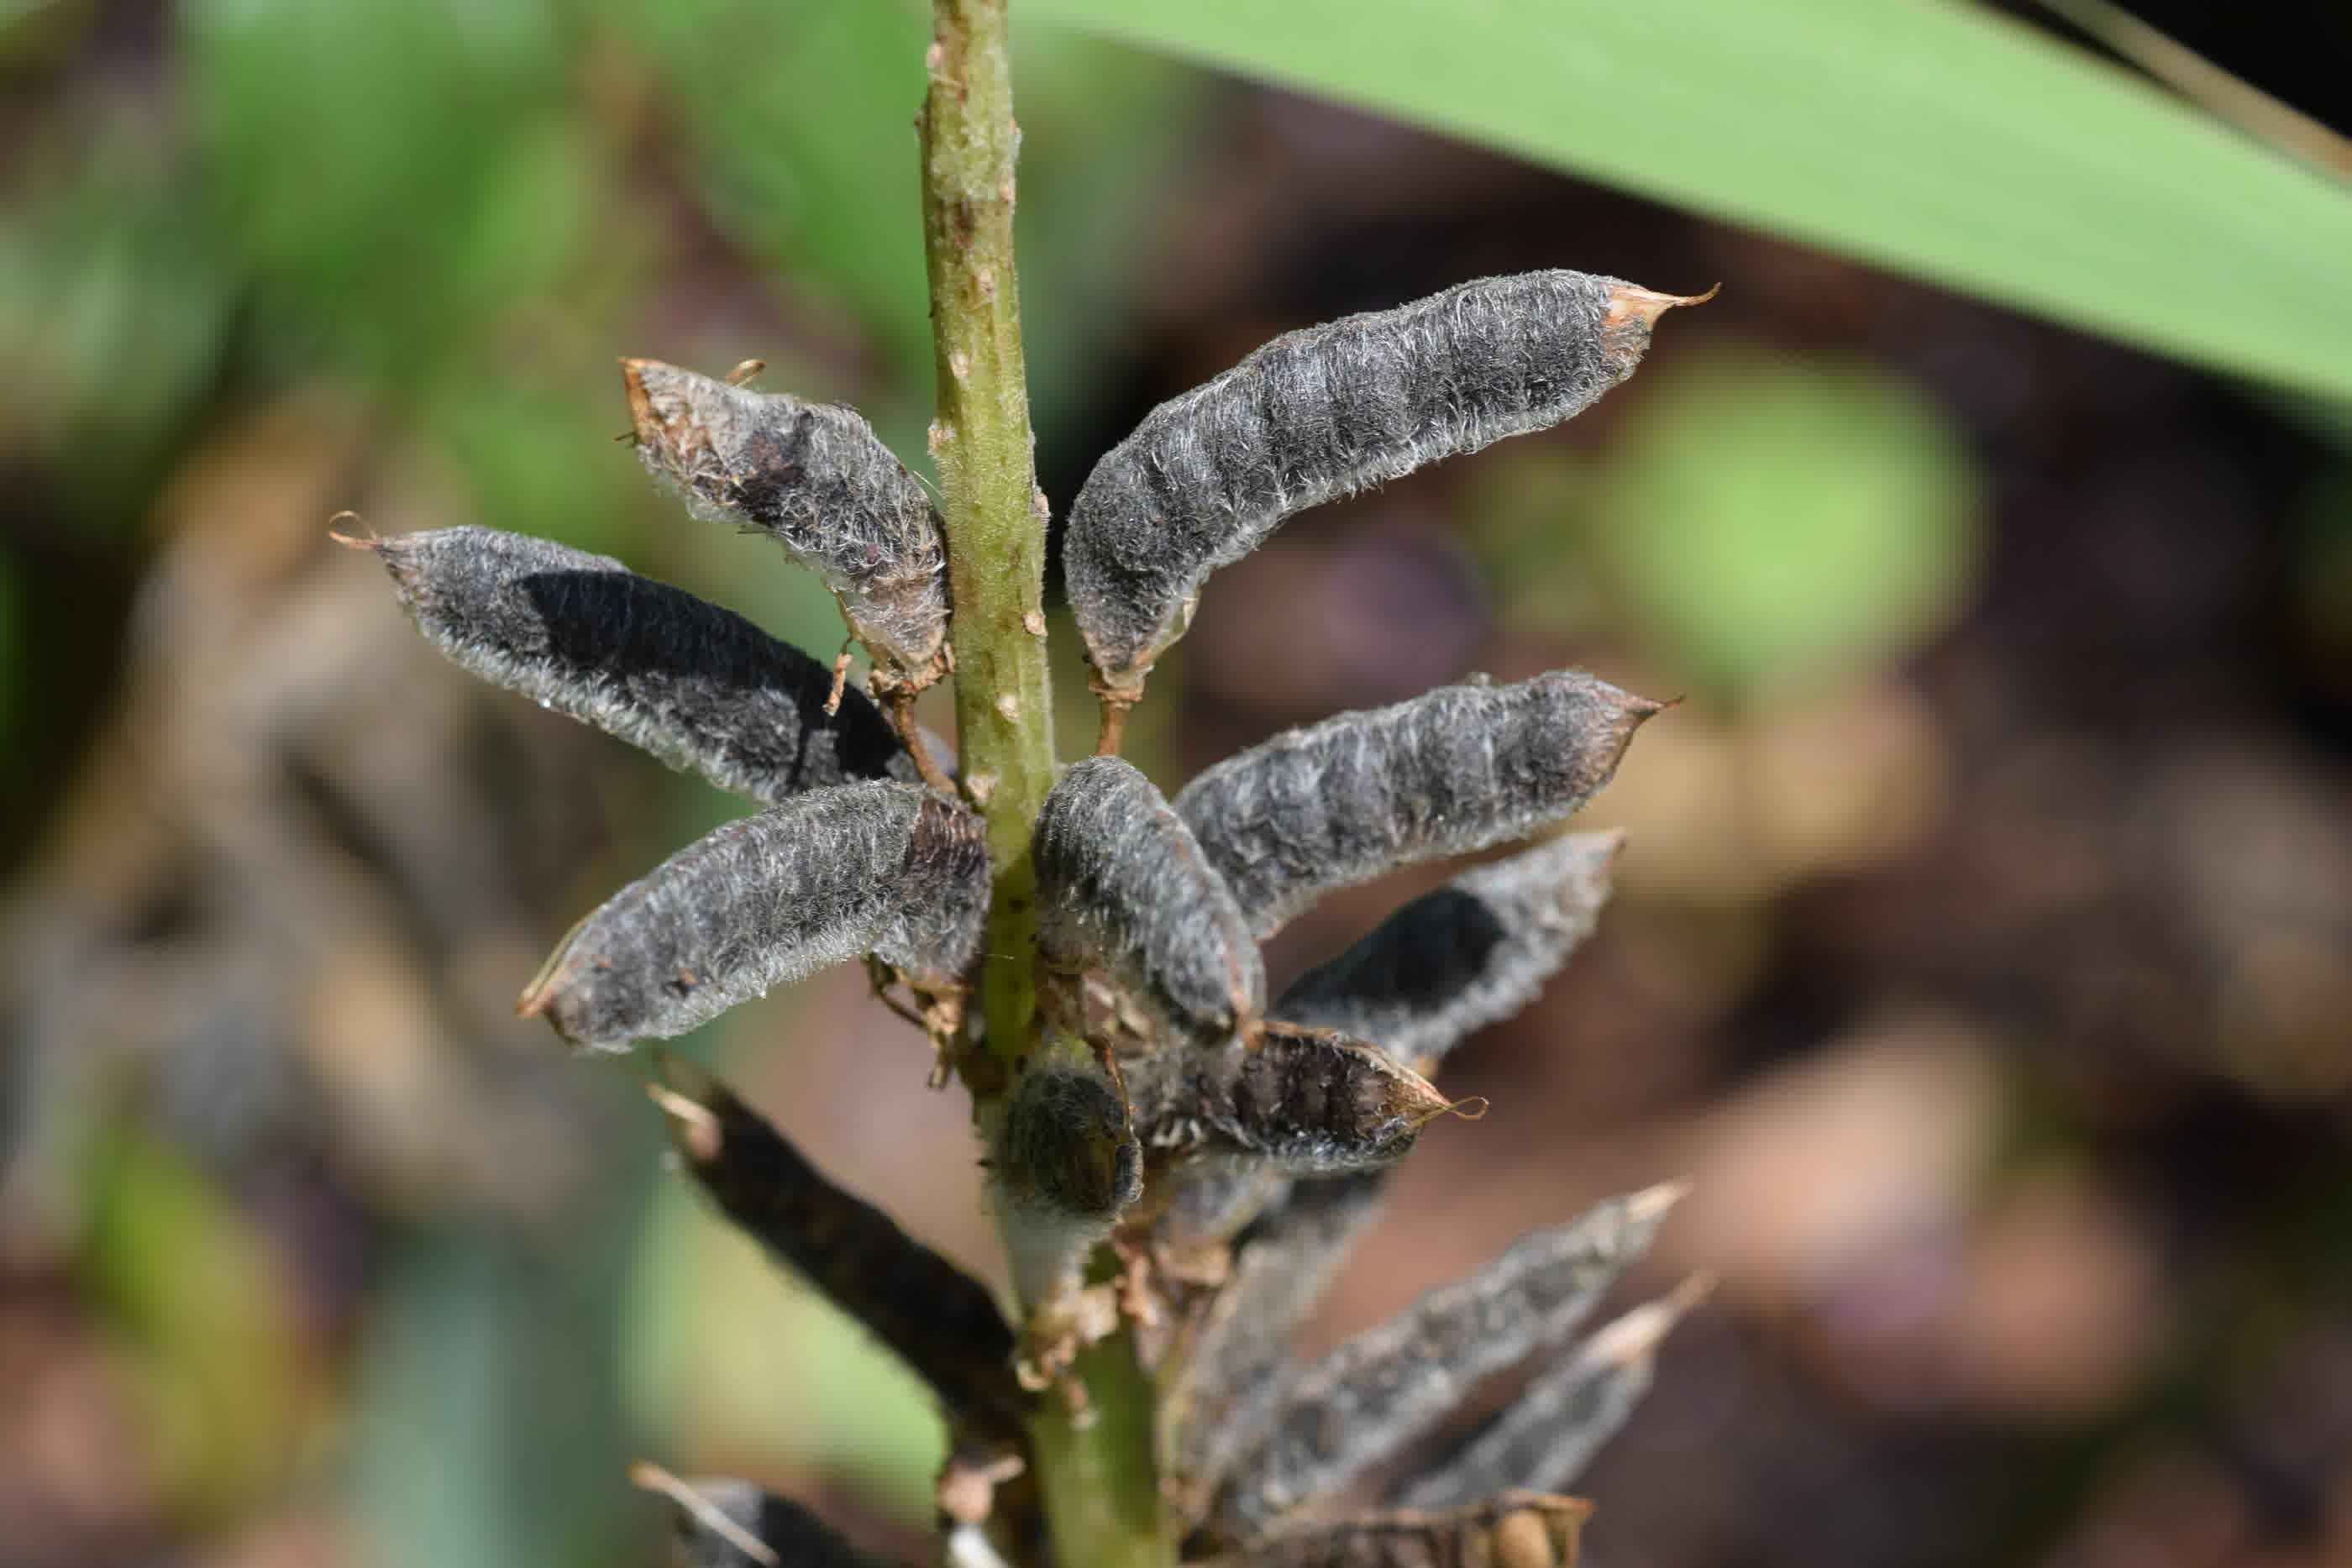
x=799, y=128
x=1931, y=138
x=203, y=1314
x=1774, y=521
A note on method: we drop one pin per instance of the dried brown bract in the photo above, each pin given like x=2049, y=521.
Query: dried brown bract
x=1322, y=414
x=815, y=477
x=883, y=868
x=1457, y=769
x=1121, y=884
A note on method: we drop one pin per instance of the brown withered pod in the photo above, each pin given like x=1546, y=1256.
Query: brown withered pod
x=1173, y=1156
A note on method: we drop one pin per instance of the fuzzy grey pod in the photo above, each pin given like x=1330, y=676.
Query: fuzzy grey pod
x=1308, y=1100
x=1389, y=1385
x=1455, y=770
x=1063, y=1164
x=1466, y=955
x=881, y=868
x=1321, y=413
x=1545, y=1436
x=697, y=686
x=1517, y=1530
x=1121, y=883
x=715, y=1524
x=815, y=477
x=1224, y=1384
x=937, y=1318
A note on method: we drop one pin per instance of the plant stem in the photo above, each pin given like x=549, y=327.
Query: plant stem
x=988, y=488
x=1100, y=1493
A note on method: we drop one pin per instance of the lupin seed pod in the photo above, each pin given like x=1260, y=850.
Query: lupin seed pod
x=1305, y=1100
x=934, y=1317
x=881, y=868
x=815, y=477
x=1223, y=1387
x=695, y=685
x=1469, y=954
x=1544, y=1437
x=1064, y=1164
x=1321, y=413
x=1455, y=770
x=1389, y=1385
x=1517, y=1530
x=734, y=1524
x=1121, y=884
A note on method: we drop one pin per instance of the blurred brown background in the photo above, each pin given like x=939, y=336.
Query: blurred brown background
x=1983, y=948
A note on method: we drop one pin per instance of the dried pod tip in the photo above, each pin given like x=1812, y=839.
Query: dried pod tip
x=1651, y=1202
x=1471, y=1109
x=1636, y=1335
x=682, y=1092
x=1631, y=302
x=371, y=542
x=652, y=1478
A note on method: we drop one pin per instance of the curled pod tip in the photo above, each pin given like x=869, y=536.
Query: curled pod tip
x=1325, y=412
x=884, y=868
x=1122, y=884
x=816, y=478
x=697, y=686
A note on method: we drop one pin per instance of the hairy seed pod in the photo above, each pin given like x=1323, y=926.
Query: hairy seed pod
x=881, y=868
x=1517, y=1530
x=934, y=1317
x=1458, y=769
x=697, y=686
x=1545, y=1437
x=1389, y=1385
x=1210, y=1199
x=1121, y=884
x=1220, y=1390
x=1305, y=1100
x=734, y=1524
x=1322, y=414
x=1467, y=955
x=815, y=477
x=1064, y=1164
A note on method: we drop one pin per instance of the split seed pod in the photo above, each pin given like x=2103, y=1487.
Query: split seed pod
x=1457, y=769
x=815, y=477
x=1517, y=1530
x=1121, y=883
x=934, y=1317
x=1321, y=413
x=1308, y=1100
x=1389, y=1385
x=1545, y=1437
x=654, y=665
x=881, y=868
x=1473, y=952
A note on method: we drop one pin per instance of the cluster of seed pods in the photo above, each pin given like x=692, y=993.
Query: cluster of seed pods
x=1233, y=1145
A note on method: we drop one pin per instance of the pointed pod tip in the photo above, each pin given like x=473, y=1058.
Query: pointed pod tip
x=1632, y=302
x=1652, y=1202
x=367, y=538
x=693, y=1126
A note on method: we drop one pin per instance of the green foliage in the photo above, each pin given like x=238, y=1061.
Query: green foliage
x=1935, y=138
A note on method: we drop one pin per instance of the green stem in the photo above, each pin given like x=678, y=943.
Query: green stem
x=987, y=487
x=1097, y=1478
